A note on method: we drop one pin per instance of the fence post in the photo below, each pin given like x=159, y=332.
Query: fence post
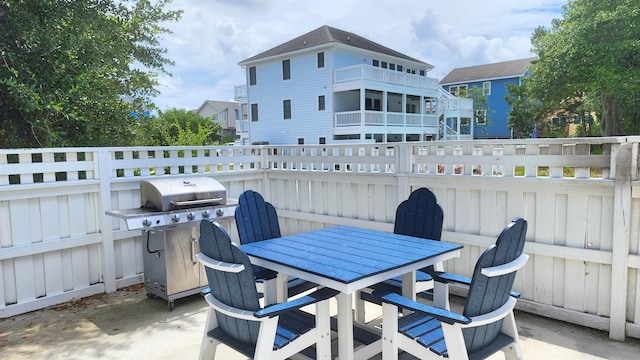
x=103, y=159
x=404, y=161
x=623, y=159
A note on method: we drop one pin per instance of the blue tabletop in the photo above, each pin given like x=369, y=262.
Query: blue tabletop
x=347, y=254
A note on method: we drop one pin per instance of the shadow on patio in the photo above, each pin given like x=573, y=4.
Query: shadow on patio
x=128, y=324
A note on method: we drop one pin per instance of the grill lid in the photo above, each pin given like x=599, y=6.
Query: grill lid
x=177, y=193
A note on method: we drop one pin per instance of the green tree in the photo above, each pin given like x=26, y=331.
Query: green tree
x=66, y=67
x=177, y=127
x=480, y=103
x=523, y=116
x=592, y=52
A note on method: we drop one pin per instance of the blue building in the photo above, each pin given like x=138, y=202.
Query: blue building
x=492, y=122
x=331, y=86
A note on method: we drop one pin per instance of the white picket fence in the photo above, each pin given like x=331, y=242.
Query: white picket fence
x=580, y=197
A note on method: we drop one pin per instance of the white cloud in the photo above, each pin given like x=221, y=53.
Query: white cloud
x=213, y=36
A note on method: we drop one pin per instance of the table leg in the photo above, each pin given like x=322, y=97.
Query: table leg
x=409, y=286
x=282, y=281
x=345, y=326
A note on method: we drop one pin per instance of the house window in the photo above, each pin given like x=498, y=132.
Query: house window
x=286, y=69
x=383, y=65
x=254, y=112
x=486, y=87
x=252, y=76
x=320, y=60
x=458, y=90
x=286, y=109
x=322, y=140
x=481, y=116
x=399, y=68
x=392, y=66
x=376, y=63
x=372, y=104
x=422, y=73
x=321, y=106
x=300, y=141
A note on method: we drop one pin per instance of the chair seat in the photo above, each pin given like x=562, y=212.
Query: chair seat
x=427, y=331
x=290, y=326
x=421, y=276
x=263, y=274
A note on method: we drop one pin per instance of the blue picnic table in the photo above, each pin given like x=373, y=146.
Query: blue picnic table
x=348, y=259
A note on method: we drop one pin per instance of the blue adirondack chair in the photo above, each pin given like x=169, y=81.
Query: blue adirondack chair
x=257, y=220
x=486, y=325
x=421, y=216
x=235, y=317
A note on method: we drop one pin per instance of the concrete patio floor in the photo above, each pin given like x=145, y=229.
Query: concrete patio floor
x=129, y=325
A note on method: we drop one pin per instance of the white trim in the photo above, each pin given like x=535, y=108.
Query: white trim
x=219, y=265
x=232, y=311
x=507, y=268
x=493, y=316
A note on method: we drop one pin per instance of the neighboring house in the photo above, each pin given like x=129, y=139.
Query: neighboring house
x=225, y=113
x=332, y=86
x=491, y=122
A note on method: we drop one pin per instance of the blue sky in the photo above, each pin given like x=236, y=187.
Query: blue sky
x=214, y=35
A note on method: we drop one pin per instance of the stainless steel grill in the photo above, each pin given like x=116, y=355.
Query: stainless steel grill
x=169, y=217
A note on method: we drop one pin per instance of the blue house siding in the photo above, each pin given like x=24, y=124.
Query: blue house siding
x=497, y=125
x=498, y=75
x=306, y=84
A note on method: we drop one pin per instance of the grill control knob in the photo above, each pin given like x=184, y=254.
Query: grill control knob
x=146, y=222
x=206, y=214
x=191, y=216
x=220, y=212
x=175, y=218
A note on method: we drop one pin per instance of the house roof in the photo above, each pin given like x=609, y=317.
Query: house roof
x=505, y=69
x=215, y=106
x=327, y=35
x=221, y=105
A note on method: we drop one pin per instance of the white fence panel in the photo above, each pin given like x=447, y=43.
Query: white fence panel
x=581, y=198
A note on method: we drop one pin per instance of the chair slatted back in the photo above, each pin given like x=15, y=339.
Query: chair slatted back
x=256, y=219
x=234, y=289
x=487, y=294
x=420, y=216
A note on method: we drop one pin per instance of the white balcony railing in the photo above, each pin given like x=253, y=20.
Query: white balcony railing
x=240, y=92
x=242, y=126
x=372, y=73
x=377, y=118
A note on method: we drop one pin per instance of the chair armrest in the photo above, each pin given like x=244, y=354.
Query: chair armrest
x=219, y=265
x=314, y=297
x=493, y=316
x=507, y=268
x=229, y=310
x=442, y=315
x=446, y=278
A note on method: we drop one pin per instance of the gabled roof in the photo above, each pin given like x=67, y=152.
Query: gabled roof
x=327, y=35
x=219, y=105
x=500, y=70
